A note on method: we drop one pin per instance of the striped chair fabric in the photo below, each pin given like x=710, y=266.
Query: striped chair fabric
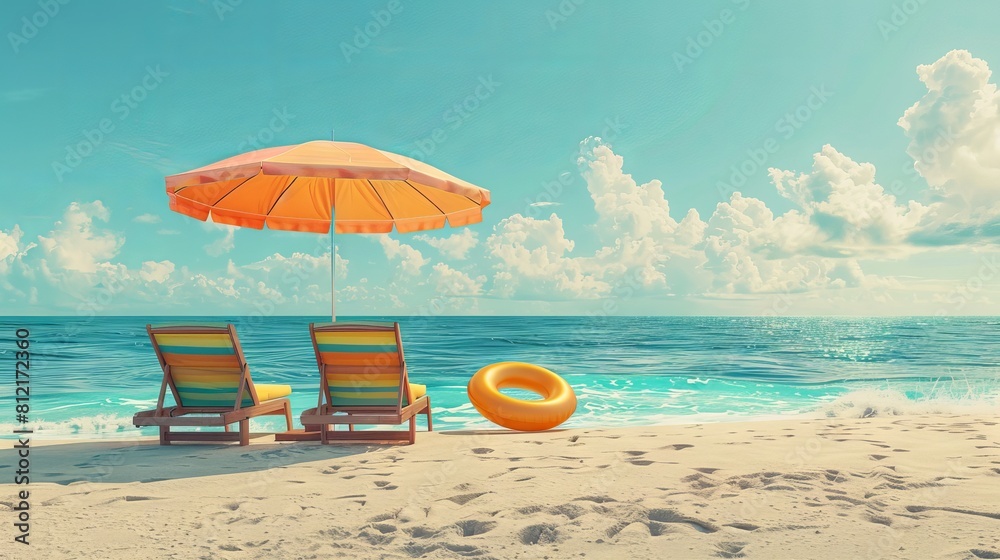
x=205, y=368
x=362, y=363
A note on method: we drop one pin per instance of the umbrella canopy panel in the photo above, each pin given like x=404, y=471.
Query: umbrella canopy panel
x=300, y=188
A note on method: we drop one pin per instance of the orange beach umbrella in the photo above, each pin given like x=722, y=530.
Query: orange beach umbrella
x=306, y=187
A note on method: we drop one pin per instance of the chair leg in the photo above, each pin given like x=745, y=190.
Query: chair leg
x=430, y=423
x=350, y=427
x=226, y=427
x=164, y=435
x=413, y=429
x=288, y=415
x=245, y=432
x=323, y=438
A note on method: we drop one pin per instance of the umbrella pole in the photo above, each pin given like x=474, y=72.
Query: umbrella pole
x=333, y=275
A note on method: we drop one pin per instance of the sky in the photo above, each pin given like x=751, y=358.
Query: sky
x=726, y=157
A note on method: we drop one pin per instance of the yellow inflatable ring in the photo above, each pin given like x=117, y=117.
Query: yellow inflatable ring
x=557, y=405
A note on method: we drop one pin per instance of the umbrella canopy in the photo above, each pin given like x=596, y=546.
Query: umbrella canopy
x=309, y=186
x=298, y=187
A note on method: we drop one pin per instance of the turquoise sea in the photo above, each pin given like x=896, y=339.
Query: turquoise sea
x=89, y=375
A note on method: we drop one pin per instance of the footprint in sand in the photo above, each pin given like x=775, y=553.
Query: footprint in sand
x=989, y=554
x=385, y=485
x=595, y=499
x=539, y=534
x=463, y=499
x=572, y=511
x=482, y=450
x=421, y=532
x=879, y=519
x=919, y=509
x=731, y=549
x=743, y=526
x=374, y=535
x=678, y=446
x=670, y=516
x=471, y=527
x=384, y=516
x=416, y=550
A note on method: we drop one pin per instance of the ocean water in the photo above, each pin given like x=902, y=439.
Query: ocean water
x=89, y=375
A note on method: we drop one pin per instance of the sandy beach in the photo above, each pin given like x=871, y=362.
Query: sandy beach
x=903, y=487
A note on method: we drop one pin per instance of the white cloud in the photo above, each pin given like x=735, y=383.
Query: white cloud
x=739, y=234
x=843, y=211
x=158, y=272
x=225, y=243
x=147, y=219
x=954, y=131
x=639, y=238
x=411, y=260
x=455, y=246
x=10, y=245
x=451, y=282
x=631, y=211
x=533, y=262
x=75, y=244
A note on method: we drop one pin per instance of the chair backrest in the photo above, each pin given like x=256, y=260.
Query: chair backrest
x=361, y=364
x=203, y=365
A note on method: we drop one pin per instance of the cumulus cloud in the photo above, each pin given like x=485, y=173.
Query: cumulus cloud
x=455, y=246
x=223, y=244
x=75, y=244
x=842, y=211
x=158, y=272
x=410, y=259
x=451, y=282
x=739, y=234
x=534, y=257
x=627, y=210
x=533, y=261
x=954, y=130
x=10, y=245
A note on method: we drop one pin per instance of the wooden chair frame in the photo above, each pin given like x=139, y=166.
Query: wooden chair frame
x=326, y=415
x=166, y=417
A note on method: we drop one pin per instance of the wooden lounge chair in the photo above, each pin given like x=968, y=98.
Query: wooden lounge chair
x=363, y=380
x=208, y=376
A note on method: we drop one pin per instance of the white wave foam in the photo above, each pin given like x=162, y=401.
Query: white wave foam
x=866, y=403
x=102, y=425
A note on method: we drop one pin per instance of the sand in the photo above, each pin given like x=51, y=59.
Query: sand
x=902, y=487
